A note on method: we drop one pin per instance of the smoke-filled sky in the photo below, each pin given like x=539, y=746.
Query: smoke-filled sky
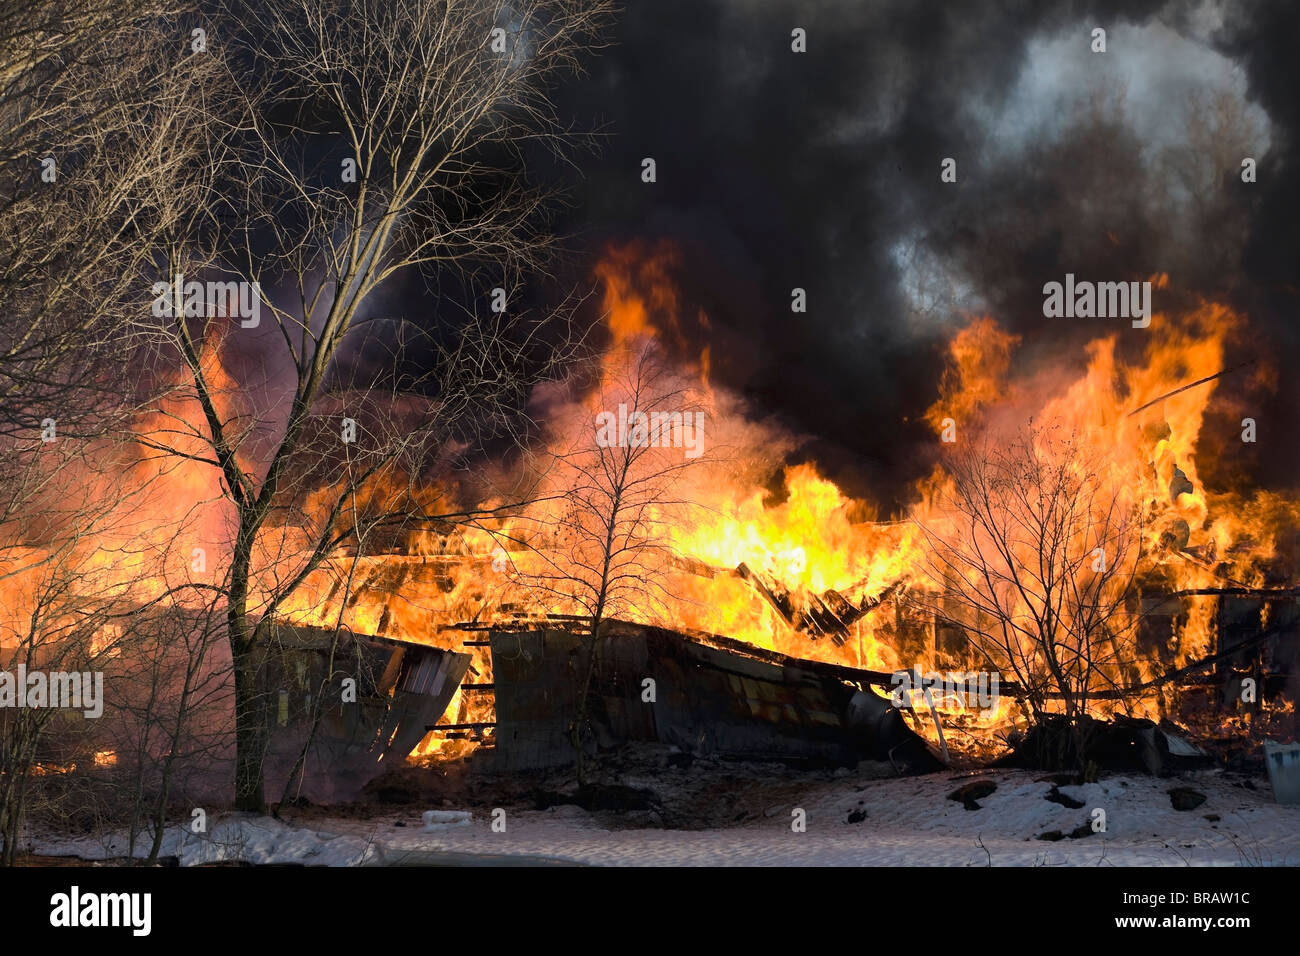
x=821, y=170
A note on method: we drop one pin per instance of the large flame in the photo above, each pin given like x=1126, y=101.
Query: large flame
x=742, y=561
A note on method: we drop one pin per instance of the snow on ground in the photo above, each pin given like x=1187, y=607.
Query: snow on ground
x=909, y=821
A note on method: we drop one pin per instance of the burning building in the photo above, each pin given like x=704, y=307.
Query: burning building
x=1176, y=602
x=339, y=498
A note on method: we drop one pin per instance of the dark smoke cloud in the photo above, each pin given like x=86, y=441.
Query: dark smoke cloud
x=821, y=171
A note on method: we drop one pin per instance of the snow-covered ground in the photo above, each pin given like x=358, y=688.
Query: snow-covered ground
x=908, y=821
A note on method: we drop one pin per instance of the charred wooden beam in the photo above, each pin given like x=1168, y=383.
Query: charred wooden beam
x=1238, y=591
x=695, y=566
x=870, y=604
x=477, y=725
x=827, y=614
x=822, y=616
x=1200, y=562
x=780, y=604
x=1183, y=388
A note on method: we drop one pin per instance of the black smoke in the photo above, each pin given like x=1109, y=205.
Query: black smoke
x=821, y=171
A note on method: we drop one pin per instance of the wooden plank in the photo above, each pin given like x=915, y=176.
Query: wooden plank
x=478, y=725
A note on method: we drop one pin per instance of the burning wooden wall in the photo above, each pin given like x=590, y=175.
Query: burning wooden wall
x=400, y=689
x=731, y=701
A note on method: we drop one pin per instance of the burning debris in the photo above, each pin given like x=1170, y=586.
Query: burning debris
x=651, y=684
x=1163, y=601
x=345, y=706
x=827, y=614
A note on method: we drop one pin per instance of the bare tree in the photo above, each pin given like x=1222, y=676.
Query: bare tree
x=1032, y=553
x=608, y=553
x=97, y=124
x=99, y=132
x=393, y=139
x=68, y=570
x=170, y=700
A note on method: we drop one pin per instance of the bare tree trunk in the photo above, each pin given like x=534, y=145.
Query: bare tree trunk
x=250, y=730
x=583, y=710
x=435, y=122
